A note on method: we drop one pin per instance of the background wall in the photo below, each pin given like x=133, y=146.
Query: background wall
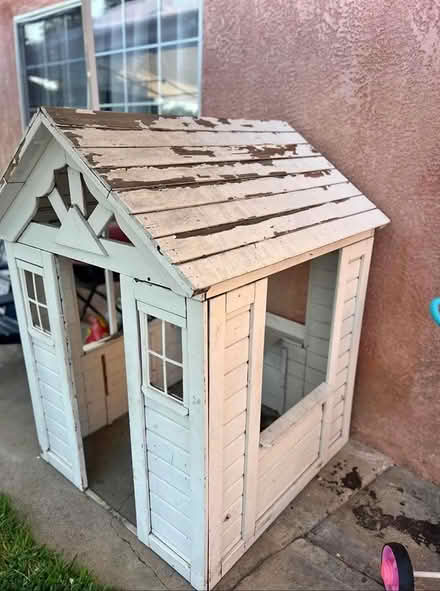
x=360, y=80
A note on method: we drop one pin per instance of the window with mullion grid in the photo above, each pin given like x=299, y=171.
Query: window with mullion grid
x=147, y=55
x=36, y=296
x=164, y=357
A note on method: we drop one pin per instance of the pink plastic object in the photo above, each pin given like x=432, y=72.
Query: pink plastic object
x=389, y=570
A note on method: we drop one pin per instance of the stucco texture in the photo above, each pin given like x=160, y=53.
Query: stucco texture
x=360, y=79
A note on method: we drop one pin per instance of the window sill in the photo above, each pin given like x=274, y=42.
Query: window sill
x=165, y=401
x=281, y=426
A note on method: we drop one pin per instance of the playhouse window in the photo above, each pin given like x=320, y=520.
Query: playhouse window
x=164, y=357
x=36, y=296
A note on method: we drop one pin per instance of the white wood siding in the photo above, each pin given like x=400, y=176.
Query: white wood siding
x=105, y=385
x=353, y=277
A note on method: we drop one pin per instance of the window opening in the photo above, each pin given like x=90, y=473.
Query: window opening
x=299, y=316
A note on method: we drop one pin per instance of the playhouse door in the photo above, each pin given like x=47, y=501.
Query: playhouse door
x=46, y=349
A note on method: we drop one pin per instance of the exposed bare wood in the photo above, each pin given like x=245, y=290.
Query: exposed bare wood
x=88, y=137
x=166, y=156
x=218, y=217
x=151, y=200
x=184, y=249
x=140, y=121
x=144, y=176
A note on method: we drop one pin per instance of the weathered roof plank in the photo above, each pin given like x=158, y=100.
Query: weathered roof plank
x=201, y=218
x=144, y=176
x=181, y=155
x=182, y=249
x=148, y=200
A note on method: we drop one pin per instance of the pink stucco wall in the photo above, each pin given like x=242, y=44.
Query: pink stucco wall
x=361, y=80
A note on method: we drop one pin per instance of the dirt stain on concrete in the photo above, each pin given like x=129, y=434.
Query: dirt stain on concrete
x=421, y=531
x=352, y=479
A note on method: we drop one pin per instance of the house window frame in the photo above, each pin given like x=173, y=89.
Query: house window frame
x=151, y=393
x=26, y=18
x=90, y=56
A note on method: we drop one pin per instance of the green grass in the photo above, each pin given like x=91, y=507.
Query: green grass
x=27, y=566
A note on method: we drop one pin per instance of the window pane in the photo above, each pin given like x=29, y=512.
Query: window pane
x=39, y=285
x=152, y=109
x=142, y=77
x=29, y=284
x=77, y=94
x=110, y=69
x=156, y=372
x=179, y=79
x=44, y=315
x=34, y=315
x=173, y=342
x=107, y=24
x=33, y=38
x=51, y=46
x=179, y=19
x=36, y=84
x=154, y=334
x=74, y=34
x=57, y=85
x=140, y=22
x=174, y=380
x=55, y=38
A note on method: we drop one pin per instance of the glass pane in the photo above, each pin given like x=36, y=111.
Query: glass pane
x=179, y=19
x=182, y=106
x=34, y=315
x=34, y=42
x=154, y=334
x=57, y=85
x=37, y=83
x=44, y=315
x=142, y=78
x=140, y=22
x=110, y=69
x=179, y=76
x=39, y=286
x=152, y=109
x=77, y=94
x=74, y=34
x=56, y=40
x=173, y=342
x=156, y=372
x=107, y=24
x=174, y=380
x=29, y=284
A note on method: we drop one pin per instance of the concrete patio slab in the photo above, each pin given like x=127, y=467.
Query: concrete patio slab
x=329, y=538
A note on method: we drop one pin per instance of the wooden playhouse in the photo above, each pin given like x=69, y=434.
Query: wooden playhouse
x=243, y=271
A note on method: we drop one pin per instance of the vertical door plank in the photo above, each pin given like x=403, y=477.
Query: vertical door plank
x=217, y=321
x=197, y=327
x=28, y=352
x=136, y=407
x=256, y=347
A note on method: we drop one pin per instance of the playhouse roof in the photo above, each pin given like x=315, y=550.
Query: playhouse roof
x=218, y=197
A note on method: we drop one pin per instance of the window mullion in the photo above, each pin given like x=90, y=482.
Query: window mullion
x=124, y=55
x=159, y=56
x=164, y=352
x=37, y=303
